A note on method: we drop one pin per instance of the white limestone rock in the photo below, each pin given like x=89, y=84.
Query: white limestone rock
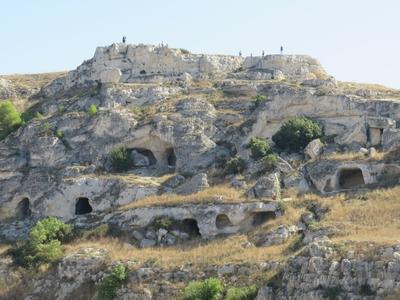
x=193, y=185
x=111, y=75
x=314, y=148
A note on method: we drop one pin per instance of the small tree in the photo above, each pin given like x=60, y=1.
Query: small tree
x=235, y=165
x=209, y=289
x=270, y=161
x=10, y=118
x=120, y=159
x=259, y=147
x=106, y=289
x=58, y=133
x=242, y=293
x=44, y=243
x=295, y=134
x=92, y=110
x=259, y=99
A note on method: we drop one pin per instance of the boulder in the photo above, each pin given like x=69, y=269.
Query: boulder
x=193, y=185
x=297, y=181
x=314, y=148
x=277, y=236
x=139, y=160
x=266, y=187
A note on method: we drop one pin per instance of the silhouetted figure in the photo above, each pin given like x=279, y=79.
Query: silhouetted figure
x=240, y=53
x=124, y=39
x=263, y=53
x=281, y=50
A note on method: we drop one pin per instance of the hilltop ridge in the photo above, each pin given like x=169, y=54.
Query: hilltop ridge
x=125, y=63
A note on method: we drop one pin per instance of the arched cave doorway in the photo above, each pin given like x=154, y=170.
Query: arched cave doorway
x=171, y=158
x=23, y=209
x=261, y=217
x=350, y=178
x=83, y=206
x=142, y=157
x=191, y=227
x=222, y=221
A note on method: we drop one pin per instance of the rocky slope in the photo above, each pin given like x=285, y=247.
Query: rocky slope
x=181, y=117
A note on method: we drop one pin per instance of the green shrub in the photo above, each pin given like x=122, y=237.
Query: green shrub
x=106, y=289
x=259, y=99
x=313, y=225
x=49, y=229
x=38, y=116
x=243, y=293
x=164, y=222
x=45, y=129
x=58, y=133
x=209, y=289
x=120, y=159
x=259, y=147
x=270, y=161
x=44, y=245
x=235, y=165
x=295, y=134
x=10, y=118
x=92, y=110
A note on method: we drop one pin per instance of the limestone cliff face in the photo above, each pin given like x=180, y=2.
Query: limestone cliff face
x=184, y=122
x=291, y=67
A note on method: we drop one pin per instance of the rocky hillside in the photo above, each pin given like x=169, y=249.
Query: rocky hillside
x=169, y=172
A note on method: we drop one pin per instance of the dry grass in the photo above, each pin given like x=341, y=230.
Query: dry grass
x=352, y=156
x=128, y=178
x=33, y=80
x=4, y=248
x=217, y=252
x=366, y=86
x=371, y=217
x=375, y=90
x=216, y=194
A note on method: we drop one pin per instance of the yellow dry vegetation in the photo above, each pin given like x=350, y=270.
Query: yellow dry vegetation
x=352, y=156
x=4, y=248
x=372, y=216
x=202, y=254
x=216, y=194
x=34, y=80
x=365, y=86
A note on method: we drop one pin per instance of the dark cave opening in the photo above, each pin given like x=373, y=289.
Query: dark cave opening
x=350, y=178
x=23, y=208
x=83, y=206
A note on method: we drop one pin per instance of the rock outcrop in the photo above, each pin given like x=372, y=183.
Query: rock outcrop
x=148, y=147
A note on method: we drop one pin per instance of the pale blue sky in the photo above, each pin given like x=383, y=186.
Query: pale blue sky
x=356, y=40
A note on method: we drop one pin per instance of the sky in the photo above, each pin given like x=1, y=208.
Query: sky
x=355, y=40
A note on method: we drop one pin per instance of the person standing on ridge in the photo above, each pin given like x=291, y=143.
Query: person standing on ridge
x=124, y=39
x=281, y=50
